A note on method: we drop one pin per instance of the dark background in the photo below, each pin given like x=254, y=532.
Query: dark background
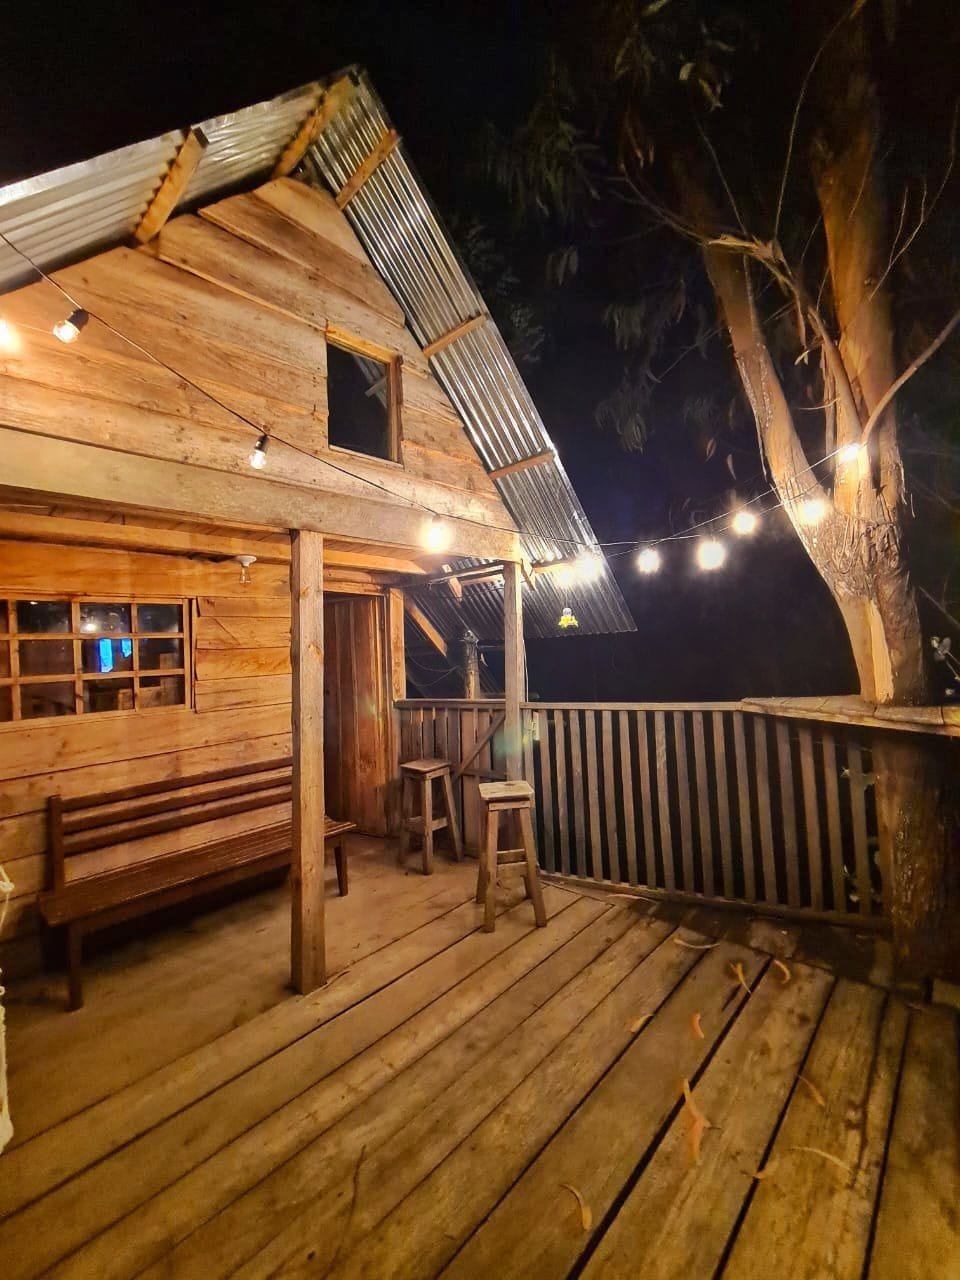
x=76, y=81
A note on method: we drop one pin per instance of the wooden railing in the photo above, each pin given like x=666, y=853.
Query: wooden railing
x=701, y=799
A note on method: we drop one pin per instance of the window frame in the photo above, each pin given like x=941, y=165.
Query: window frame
x=11, y=636
x=356, y=346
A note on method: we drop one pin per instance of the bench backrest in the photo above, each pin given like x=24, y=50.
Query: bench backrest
x=85, y=824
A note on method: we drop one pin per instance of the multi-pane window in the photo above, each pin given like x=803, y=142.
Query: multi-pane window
x=74, y=657
x=363, y=403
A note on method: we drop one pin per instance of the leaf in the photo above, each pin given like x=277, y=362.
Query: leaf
x=693, y=946
x=695, y=1026
x=784, y=970
x=768, y=1170
x=737, y=970
x=698, y=1123
x=639, y=1023
x=814, y=1091
x=685, y=72
x=711, y=448
x=586, y=1216
x=818, y=1151
x=651, y=9
x=730, y=465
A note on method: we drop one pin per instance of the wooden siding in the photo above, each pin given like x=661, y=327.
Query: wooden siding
x=238, y=300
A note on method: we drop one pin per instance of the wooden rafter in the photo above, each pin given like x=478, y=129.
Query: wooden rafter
x=172, y=187
x=368, y=166
x=458, y=331
x=333, y=99
x=416, y=614
x=535, y=460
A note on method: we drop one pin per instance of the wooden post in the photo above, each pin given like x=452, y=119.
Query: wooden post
x=471, y=666
x=396, y=692
x=308, y=962
x=513, y=666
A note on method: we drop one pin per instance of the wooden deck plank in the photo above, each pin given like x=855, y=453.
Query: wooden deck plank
x=679, y=1215
x=809, y=1218
x=58, y=1153
x=421, y=1235
x=918, y=1224
x=279, y=1090
x=595, y=1155
x=277, y=1221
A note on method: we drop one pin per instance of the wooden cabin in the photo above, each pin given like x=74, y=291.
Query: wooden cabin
x=221, y=504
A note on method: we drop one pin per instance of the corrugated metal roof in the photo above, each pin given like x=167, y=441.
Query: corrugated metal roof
x=69, y=213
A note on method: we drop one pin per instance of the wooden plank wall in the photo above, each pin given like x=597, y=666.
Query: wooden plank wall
x=238, y=299
x=702, y=800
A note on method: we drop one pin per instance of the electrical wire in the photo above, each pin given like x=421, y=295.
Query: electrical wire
x=627, y=545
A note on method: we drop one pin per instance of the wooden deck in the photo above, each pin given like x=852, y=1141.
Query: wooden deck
x=432, y=1110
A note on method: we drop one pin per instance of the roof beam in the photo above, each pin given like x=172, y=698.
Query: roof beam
x=333, y=99
x=172, y=187
x=458, y=331
x=535, y=460
x=368, y=166
x=416, y=614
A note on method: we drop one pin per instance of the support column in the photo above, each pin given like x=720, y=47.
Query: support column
x=471, y=666
x=513, y=666
x=396, y=692
x=308, y=961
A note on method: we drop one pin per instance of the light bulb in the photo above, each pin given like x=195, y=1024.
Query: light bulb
x=258, y=458
x=849, y=453
x=436, y=535
x=745, y=522
x=9, y=337
x=69, y=330
x=589, y=566
x=565, y=575
x=711, y=553
x=811, y=510
x=648, y=560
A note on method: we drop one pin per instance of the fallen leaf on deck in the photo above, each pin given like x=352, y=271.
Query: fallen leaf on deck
x=768, y=1170
x=636, y=1025
x=818, y=1151
x=698, y=1123
x=815, y=1093
x=694, y=946
x=695, y=1026
x=737, y=970
x=784, y=970
x=586, y=1216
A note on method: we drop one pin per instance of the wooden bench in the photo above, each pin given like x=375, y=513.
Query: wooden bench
x=85, y=829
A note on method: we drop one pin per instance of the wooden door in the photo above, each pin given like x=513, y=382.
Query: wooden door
x=355, y=712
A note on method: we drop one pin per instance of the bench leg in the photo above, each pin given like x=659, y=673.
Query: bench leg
x=532, y=873
x=427, y=808
x=452, y=823
x=74, y=960
x=340, y=854
x=490, y=872
x=406, y=812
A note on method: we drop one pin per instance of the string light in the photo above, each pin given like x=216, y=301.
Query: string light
x=745, y=523
x=9, y=337
x=849, y=453
x=811, y=511
x=711, y=553
x=436, y=535
x=565, y=575
x=649, y=560
x=69, y=330
x=589, y=566
x=258, y=458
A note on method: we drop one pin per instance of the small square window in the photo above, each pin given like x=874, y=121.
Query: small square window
x=360, y=403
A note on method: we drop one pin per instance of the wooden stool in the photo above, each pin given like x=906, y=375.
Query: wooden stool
x=514, y=798
x=426, y=772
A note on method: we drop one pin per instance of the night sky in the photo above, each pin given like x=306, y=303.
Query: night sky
x=79, y=80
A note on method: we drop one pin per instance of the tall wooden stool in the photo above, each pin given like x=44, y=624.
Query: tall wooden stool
x=515, y=799
x=424, y=773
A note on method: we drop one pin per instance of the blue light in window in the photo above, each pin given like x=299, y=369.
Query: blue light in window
x=126, y=648
x=105, y=652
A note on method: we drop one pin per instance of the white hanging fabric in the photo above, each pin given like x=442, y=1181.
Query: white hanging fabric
x=6, y=1124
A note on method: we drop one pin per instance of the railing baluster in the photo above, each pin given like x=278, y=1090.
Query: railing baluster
x=593, y=797
x=663, y=800
x=763, y=809
x=548, y=853
x=811, y=817
x=858, y=810
x=626, y=782
x=683, y=801
x=831, y=787
x=563, y=813
x=723, y=801
x=788, y=814
x=703, y=803
x=610, y=797
x=576, y=791
x=646, y=800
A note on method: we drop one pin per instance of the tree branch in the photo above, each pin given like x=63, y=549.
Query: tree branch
x=907, y=374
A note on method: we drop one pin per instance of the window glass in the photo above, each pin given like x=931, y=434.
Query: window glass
x=358, y=403
x=105, y=618
x=43, y=615
x=6, y=703
x=48, y=699
x=160, y=655
x=108, y=695
x=45, y=657
x=161, y=691
x=159, y=617
x=105, y=655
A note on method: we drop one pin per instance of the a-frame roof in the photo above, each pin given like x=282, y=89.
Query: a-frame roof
x=69, y=213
